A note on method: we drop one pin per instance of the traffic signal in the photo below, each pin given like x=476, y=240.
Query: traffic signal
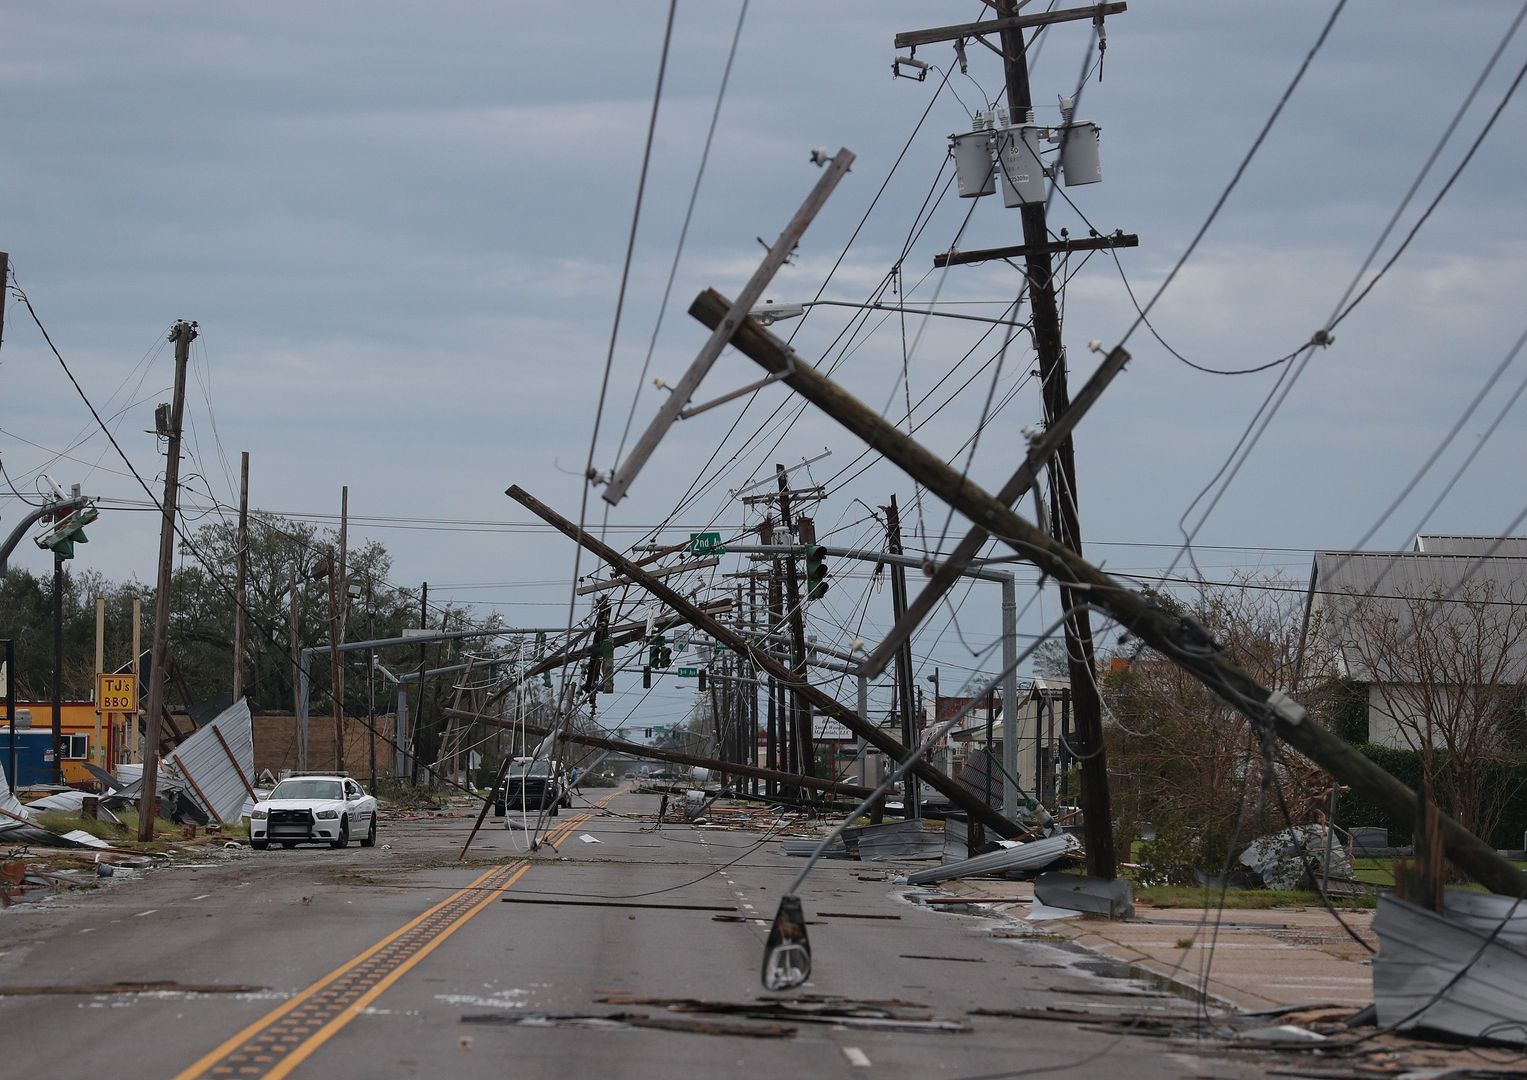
x=700, y=675
x=816, y=571
x=660, y=655
x=607, y=666
x=647, y=677
x=68, y=531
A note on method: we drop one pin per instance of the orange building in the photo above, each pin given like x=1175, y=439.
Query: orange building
x=78, y=721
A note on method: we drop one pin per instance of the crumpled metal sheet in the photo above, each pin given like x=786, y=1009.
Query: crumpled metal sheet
x=211, y=776
x=1283, y=859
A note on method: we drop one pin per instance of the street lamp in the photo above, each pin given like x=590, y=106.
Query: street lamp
x=770, y=312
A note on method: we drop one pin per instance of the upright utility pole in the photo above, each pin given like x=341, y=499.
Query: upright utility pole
x=133, y=754
x=243, y=579
x=339, y=596
x=911, y=803
x=97, y=744
x=773, y=759
x=58, y=668
x=801, y=742
x=294, y=639
x=1065, y=525
x=418, y=718
x=182, y=334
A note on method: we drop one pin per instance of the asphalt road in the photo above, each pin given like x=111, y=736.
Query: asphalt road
x=370, y=962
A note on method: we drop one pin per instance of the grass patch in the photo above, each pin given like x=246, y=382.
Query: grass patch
x=1184, y=896
x=61, y=821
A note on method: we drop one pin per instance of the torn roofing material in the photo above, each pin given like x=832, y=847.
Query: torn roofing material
x=1032, y=857
x=217, y=763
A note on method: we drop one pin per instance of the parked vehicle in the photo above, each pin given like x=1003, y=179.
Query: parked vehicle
x=532, y=784
x=323, y=808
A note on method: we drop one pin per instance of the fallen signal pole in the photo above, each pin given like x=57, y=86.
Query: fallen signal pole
x=677, y=757
x=812, y=696
x=1180, y=640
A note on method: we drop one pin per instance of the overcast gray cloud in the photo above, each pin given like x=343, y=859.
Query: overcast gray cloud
x=401, y=229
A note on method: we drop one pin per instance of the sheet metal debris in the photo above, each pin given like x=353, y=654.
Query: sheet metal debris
x=1448, y=973
x=1090, y=895
x=1287, y=859
x=1030, y=858
x=217, y=763
x=893, y=840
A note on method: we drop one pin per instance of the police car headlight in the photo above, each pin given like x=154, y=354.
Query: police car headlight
x=260, y=815
x=327, y=814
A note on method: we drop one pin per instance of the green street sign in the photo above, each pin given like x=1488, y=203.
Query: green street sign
x=688, y=672
x=706, y=544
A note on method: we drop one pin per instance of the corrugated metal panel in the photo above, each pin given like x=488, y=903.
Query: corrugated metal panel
x=1355, y=593
x=1512, y=547
x=210, y=774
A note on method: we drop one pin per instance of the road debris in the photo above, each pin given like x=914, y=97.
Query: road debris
x=882, y=1015
x=1030, y=858
x=621, y=1019
x=159, y=987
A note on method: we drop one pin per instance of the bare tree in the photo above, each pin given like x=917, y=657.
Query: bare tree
x=1445, y=679
x=1192, y=766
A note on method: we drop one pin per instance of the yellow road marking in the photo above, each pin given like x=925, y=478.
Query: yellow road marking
x=331, y=1003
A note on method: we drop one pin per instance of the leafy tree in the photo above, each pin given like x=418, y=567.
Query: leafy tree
x=26, y=616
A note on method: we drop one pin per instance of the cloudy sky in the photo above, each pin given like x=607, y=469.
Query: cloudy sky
x=401, y=230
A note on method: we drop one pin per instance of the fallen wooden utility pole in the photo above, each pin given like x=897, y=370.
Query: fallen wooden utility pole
x=677, y=757
x=822, y=702
x=1179, y=640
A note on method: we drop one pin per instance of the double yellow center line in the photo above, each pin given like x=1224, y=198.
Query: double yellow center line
x=283, y=1038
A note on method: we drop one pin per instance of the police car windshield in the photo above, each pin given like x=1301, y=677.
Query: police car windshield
x=308, y=789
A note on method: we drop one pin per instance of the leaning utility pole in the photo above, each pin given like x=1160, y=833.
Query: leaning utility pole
x=182, y=334
x=1181, y=640
x=239, y=591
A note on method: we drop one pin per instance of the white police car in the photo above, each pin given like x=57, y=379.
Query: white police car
x=313, y=808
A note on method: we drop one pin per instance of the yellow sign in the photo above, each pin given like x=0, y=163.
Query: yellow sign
x=117, y=693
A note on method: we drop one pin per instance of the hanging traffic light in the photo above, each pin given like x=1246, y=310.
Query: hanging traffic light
x=700, y=676
x=607, y=666
x=68, y=531
x=647, y=677
x=816, y=571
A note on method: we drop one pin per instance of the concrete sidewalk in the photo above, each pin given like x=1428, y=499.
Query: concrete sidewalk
x=1252, y=960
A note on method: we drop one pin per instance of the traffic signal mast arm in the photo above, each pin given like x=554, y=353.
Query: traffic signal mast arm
x=1180, y=640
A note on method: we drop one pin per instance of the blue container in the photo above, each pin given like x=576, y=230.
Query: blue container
x=34, y=756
